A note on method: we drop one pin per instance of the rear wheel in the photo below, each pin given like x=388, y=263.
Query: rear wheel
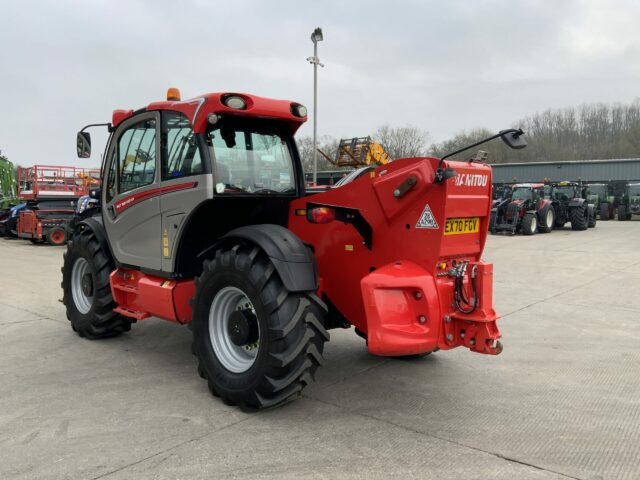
x=492, y=222
x=578, y=216
x=257, y=343
x=57, y=236
x=548, y=221
x=592, y=217
x=87, y=291
x=529, y=224
x=622, y=212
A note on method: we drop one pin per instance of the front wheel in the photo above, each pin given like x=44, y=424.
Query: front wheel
x=579, y=218
x=592, y=217
x=257, y=343
x=622, y=213
x=605, y=211
x=548, y=221
x=87, y=291
x=57, y=236
x=529, y=224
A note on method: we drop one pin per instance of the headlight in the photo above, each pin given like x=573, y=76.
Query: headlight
x=299, y=110
x=235, y=102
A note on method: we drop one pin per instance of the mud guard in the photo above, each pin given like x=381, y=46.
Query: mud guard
x=97, y=227
x=294, y=261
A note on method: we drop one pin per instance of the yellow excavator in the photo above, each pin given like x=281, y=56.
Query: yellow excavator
x=358, y=152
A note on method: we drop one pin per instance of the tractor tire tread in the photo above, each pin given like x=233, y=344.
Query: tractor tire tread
x=296, y=323
x=578, y=219
x=104, y=322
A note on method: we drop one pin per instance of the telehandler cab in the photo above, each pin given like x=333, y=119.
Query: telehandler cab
x=205, y=220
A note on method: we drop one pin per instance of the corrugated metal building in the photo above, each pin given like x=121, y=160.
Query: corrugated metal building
x=588, y=170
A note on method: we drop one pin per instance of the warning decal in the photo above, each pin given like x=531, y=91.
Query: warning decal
x=427, y=220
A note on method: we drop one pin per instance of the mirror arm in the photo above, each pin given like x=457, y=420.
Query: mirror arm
x=440, y=172
x=108, y=125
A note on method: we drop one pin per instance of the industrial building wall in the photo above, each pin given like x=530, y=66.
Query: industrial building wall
x=586, y=170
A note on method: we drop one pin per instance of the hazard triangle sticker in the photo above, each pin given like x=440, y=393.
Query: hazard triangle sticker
x=427, y=220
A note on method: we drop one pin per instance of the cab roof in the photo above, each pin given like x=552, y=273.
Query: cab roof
x=197, y=109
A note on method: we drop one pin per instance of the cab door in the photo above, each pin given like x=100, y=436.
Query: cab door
x=184, y=180
x=131, y=196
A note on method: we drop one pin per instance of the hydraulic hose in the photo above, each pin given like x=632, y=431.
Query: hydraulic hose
x=461, y=301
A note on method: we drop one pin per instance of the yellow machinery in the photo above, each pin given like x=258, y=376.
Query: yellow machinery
x=358, y=152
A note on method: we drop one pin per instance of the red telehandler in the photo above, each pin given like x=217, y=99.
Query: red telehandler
x=205, y=220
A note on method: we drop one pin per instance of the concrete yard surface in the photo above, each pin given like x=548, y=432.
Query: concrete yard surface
x=562, y=400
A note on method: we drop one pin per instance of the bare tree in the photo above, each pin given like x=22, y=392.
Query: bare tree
x=402, y=142
x=326, y=143
x=591, y=131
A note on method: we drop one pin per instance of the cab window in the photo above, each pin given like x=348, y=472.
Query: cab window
x=251, y=159
x=182, y=156
x=137, y=155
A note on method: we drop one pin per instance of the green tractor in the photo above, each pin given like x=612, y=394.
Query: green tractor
x=7, y=184
x=630, y=202
x=603, y=199
x=8, y=196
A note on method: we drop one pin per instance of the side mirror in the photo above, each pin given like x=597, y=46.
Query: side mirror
x=95, y=193
x=83, y=144
x=514, y=138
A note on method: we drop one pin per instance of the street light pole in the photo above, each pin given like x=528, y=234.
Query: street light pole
x=316, y=37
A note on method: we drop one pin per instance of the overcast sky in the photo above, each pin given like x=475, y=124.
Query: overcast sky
x=442, y=66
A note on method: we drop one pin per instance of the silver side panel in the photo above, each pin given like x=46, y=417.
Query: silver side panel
x=176, y=207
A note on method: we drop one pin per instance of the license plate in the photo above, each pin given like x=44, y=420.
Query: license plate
x=456, y=226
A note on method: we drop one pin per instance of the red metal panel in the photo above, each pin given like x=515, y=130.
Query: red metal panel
x=140, y=296
x=345, y=263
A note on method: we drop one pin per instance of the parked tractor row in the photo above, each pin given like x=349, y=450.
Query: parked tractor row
x=536, y=207
x=522, y=206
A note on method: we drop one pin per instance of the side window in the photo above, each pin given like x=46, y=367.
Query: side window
x=137, y=155
x=111, y=178
x=182, y=154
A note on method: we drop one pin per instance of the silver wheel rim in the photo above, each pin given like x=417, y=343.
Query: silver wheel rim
x=549, y=219
x=235, y=358
x=534, y=223
x=82, y=301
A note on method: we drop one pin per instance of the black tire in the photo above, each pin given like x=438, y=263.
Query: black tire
x=578, y=216
x=547, y=220
x=57, y=236
x=286, y=358
x=604, y=211
x=529, y=224
x=492, y=222
x=99, y=320
x=622, y=213
x=592, y=217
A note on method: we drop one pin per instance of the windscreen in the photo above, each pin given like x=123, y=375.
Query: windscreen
x=566, y=192
x=522, y=194
x=251, y=159
x=634, y=190
x=598, y=190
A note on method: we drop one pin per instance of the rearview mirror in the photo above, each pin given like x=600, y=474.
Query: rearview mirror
x=95, y=193
x=514, y=138
x=83, y=144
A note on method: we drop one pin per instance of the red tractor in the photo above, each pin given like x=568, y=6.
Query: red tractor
x=524, y=210
x=205, y=220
